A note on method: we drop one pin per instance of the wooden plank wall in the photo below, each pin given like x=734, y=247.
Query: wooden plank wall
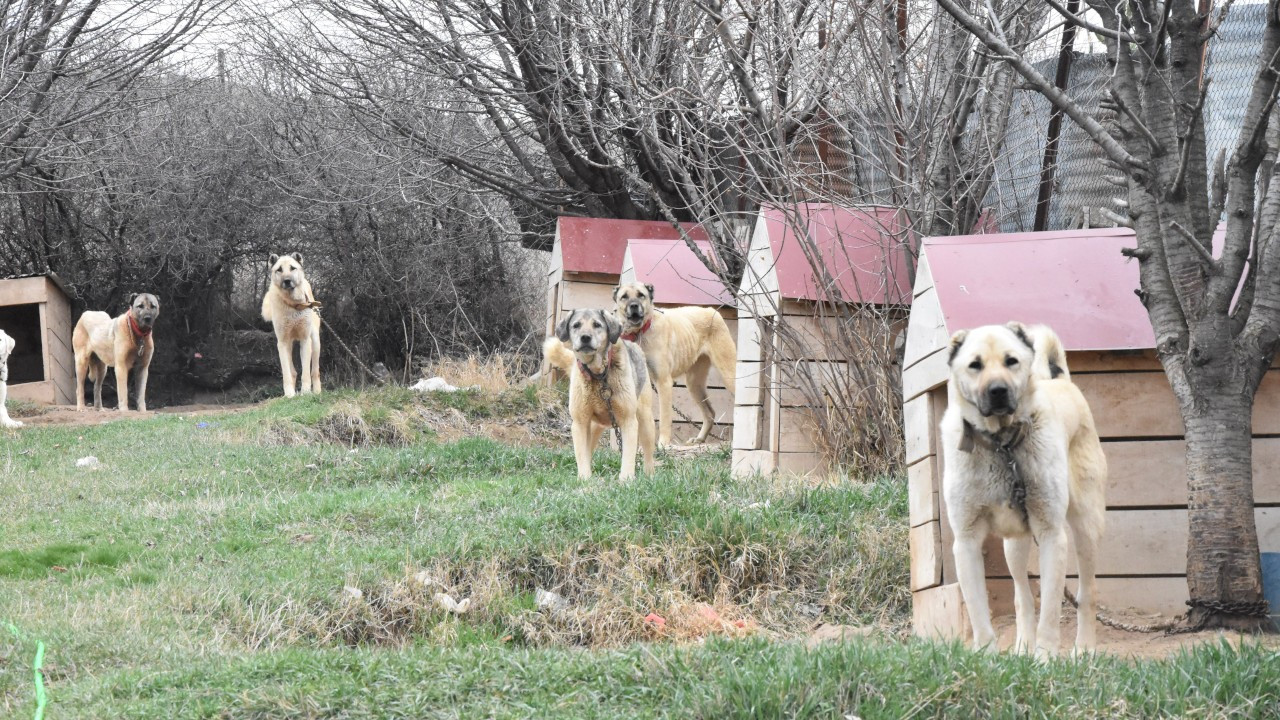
x=58, y=330
x=774, y=390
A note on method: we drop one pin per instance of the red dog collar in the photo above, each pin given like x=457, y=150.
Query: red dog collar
x=634, y=335
x=139, y=331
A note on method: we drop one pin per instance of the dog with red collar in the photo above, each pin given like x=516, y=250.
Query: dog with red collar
x=608, y=387
x=678, y=342
x=121, y=343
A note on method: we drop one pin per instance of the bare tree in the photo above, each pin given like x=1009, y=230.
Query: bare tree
x=1216, y=316
x=69, y=62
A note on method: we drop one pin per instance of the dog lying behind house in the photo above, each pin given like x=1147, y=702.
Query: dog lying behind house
x=683, y=341
x=121, y=343
x=292, y=310
x=609, y=383
x=1022, y=461
x=6, y=348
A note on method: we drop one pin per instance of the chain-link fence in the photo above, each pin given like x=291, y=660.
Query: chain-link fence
x=1078, y=189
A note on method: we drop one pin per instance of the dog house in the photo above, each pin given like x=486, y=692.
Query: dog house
x=586, y=259
x=680, y=278
x=1078, y=283
x=816, y=273
x=36, y=312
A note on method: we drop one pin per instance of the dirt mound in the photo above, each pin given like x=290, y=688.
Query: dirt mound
x=66, y=416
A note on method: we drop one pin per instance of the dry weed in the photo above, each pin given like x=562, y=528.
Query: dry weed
x=491, y=374
x=611, y=597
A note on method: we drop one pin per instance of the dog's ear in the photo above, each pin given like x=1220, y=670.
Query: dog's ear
x=156, y=298
x=132, y=297
x=650, y=291
x=1021, y=331
x=272, y=258
x=954, y=346
x=296, y=256
x=562, y=329
x=615, y=293
x=612, y=325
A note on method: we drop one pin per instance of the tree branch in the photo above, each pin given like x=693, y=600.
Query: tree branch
x=1044, y=86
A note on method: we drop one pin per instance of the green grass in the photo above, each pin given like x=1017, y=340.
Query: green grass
x=199, y=572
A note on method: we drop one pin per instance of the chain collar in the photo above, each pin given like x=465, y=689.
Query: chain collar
x=1003, y=442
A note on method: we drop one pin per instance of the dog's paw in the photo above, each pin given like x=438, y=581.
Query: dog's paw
x=10, y=423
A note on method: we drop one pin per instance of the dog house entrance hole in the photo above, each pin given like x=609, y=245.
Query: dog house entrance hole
x=22, y=322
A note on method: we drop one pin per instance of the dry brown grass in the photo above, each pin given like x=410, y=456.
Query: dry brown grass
x=490, y=373
x=609, y=596
x=856, y=418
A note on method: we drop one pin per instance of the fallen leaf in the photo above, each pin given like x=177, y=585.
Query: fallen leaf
x=656, y=620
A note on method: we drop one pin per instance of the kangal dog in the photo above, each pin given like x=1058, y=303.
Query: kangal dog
x=678, y=341
x=1022, y=460
x=609, y=384
x=121, y=343
x=292, y=310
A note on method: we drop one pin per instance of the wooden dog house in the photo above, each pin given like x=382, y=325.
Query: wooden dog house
x=1078, y=283
x=786, y=320
x=586, y=260
x=36, y=312
x=680, y=278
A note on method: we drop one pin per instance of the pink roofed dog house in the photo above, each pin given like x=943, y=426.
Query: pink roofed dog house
x=793, y=320
x=681, y=278
x=586, y=260
x=1078, y=283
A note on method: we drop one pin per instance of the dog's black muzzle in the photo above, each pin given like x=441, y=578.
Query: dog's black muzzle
x=145, y=320
x=635, y=312
x=286, y=284
x=586, y=344
x=997, y=400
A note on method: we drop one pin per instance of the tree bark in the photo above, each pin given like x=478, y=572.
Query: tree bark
x=1222, y=552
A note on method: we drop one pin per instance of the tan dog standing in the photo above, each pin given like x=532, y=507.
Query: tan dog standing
x=609, y=383
x=122, y=343
x=683, y=341
x=291, y=309
x=1022, y=461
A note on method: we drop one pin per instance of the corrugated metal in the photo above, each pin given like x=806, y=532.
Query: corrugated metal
x=1074, y=281
x=676, y=273
x=1078, y=184
x=860, y=249
x=597, y=245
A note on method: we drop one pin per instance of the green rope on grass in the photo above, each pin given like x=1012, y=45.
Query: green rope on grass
x=41, y=698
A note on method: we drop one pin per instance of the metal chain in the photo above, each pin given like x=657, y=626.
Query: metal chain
x=606, y=394
x=1111, y=622
x=1176, y=626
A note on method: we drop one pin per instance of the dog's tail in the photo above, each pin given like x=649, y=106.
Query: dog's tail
x=1051, y=359
x=556, y=354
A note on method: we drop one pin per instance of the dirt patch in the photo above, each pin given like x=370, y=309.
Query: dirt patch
x=69, y=417
x=1124, y=644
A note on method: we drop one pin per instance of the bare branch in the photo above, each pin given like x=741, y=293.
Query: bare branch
x=1195, y=245
x=1092, y=127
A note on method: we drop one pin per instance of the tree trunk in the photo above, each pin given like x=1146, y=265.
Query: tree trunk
x=1222, y=545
